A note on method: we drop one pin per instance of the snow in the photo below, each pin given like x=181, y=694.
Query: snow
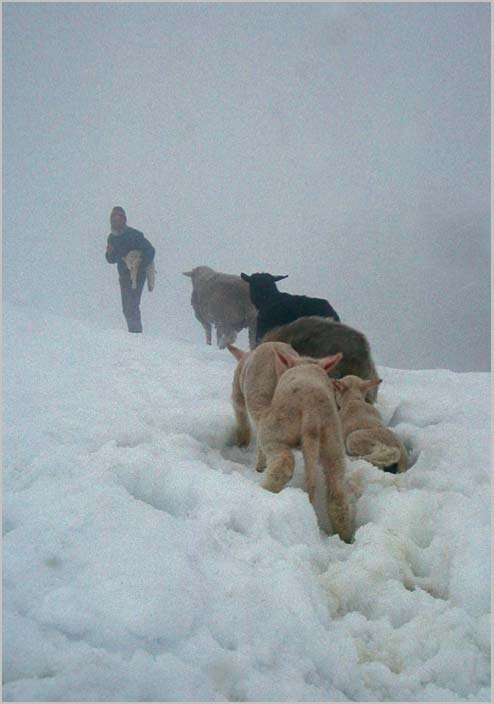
x=143, y=561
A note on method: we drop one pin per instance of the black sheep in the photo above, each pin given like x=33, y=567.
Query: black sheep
x=275, y=308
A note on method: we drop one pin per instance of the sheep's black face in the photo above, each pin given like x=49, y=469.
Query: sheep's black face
x=262, y=288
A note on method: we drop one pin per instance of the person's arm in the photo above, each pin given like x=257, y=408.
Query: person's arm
x=110, y=252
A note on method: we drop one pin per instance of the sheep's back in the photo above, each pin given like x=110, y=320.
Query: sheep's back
x=304, y=387
x=304, y=306
x=225, y=297
x=318, y=337
x=286, y=308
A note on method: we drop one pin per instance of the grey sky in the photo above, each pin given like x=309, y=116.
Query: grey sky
x=347, y=145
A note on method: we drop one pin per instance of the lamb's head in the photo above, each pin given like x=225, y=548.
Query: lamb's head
x=285, y=361
x=262, y=287
x=199, y=273
x=352, y=388
x=133, y=258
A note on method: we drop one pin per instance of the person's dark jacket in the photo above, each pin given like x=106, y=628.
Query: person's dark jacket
x=119, y=246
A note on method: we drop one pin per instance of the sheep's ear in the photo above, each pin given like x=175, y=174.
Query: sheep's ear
x=327, y=363
x=278, y=278
x=245, y=277
x=369, y=384
x=287, y=360
x=338, y=385
x=236, y=352
x=187, y=273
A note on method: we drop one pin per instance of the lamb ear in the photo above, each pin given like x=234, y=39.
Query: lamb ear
x=369, y=384
x=187, y=273
x=278, y=278
x=245, y=277
x=236, y=352
x=327, y=363
x=287, y=360
x=338, y=385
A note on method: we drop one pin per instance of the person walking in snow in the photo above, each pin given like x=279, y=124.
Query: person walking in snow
x=134, y=255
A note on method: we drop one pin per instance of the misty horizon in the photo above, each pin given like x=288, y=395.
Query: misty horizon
x=345, y=145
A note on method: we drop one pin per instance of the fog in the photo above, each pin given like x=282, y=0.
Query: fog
x=346, y=145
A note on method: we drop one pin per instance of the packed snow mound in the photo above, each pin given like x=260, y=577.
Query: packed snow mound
x=143, y=561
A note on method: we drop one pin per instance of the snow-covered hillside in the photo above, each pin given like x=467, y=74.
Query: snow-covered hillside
x=143, y=561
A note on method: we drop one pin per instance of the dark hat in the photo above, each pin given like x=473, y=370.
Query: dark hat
x=119, y=209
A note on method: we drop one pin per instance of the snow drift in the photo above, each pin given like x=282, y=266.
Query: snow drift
x=142, y=561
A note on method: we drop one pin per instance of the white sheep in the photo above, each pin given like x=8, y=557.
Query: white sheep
x=303, y=413
x=222, y=300
x=364, y=432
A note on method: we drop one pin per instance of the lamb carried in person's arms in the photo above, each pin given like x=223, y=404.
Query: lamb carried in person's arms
x=133, y=259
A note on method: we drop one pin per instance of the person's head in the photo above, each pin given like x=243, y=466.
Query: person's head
x=118, y=218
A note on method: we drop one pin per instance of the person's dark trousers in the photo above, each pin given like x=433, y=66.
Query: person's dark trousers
x=131, y=298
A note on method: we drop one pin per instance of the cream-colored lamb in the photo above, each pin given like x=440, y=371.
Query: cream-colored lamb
x=364, y=432
x=133, y=259
x=254, y=382
x=303, y=414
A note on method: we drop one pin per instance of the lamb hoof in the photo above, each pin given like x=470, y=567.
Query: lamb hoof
x=392, y=469
x=243, y=439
